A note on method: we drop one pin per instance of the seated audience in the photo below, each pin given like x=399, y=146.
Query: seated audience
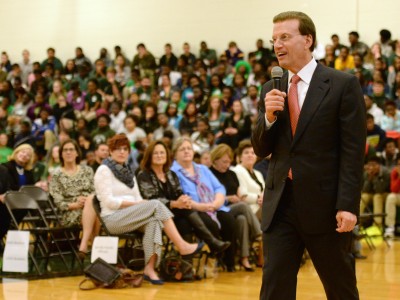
x=236, y=127
x=376, y=136
x=389, y=154
x=124, y=210
x=72, y=190
x=393, y=200
x=391, y=120
x=156, y=181
x=376, y=186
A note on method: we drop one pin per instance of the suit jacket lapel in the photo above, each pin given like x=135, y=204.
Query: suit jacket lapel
x=319, y=87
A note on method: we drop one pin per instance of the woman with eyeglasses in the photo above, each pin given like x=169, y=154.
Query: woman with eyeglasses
x=72, y=189
x=124, y=210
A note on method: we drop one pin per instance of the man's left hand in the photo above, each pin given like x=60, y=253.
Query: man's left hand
x=345, y=221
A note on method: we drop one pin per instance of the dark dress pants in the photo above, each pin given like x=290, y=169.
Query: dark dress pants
x=226, y=232
x=284, y=244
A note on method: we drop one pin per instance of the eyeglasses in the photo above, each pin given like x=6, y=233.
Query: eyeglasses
x=68, y=150
x=283, y=38
x=185, y=149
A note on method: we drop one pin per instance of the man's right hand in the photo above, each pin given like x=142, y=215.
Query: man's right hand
x=274, y=101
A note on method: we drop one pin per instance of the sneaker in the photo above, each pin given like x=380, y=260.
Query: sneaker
x=389, y=232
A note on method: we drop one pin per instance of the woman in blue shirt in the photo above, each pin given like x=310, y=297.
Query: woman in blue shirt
x=208, y=196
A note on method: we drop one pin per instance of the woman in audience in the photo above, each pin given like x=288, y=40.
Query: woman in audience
x=236, y=127
x=200, y=137
x=248, y=228
x=251, y=181
x=18, y=171
x=157, y=181
x=52, y=162
x=58, y=90
x=216, y=117
x=123, y=208
x=72, y=190
x=188, y=123
x=207, y=196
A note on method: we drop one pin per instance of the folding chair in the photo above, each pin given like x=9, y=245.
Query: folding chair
x=370, y=215
x=45, y=245
x=133, y=242
x=68, y=239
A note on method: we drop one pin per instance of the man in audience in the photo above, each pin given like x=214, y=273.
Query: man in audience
x=187, y=55
x=375, y=188
x=51, y=58
x=101, y=152
x=385, y=42
x=168, y=59
x=345, y=61
x=393, y=200
x=389, y=154
x=356, y=45
x=26, y=67
x=359, y=66
x=80, y=58
x=337, y=46
x=145, y=62
x=262, y=54
x=376, y=136
x=165, y=126
x=209, y=56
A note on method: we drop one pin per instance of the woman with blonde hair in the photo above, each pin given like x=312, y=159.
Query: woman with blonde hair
x=14, y=174
x=248, y=227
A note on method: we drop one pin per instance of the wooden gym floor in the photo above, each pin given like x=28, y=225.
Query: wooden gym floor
x=378, y=279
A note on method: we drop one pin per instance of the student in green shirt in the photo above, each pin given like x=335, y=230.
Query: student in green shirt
x=5, y=151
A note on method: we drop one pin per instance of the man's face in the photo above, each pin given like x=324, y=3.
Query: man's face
x=25, y=55
x=373, y=167
x=102, y=152
x=291, y=48
x=50, y=54
x=162, y=119
x=186, y=48
x=352, y=39
x=335, y=41
x=370, y=124
x=358, y=61
x=344, y=53
x=390, y=148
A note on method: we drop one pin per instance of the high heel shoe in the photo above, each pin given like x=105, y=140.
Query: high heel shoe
x=153, y=281
x=247, y=269
x=200, y=246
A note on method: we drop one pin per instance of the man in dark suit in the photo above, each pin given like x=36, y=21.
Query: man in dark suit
x=317, y=142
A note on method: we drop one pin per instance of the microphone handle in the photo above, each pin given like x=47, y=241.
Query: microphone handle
x=276, y=84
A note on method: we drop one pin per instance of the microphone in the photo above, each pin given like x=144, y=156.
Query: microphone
x=276, y=74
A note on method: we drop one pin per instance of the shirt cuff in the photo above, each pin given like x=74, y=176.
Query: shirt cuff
x=268, y=124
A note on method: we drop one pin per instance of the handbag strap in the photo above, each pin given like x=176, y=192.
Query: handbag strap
x=89, y=288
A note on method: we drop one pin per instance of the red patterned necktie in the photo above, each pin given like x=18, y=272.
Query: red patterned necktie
x=294, y=108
